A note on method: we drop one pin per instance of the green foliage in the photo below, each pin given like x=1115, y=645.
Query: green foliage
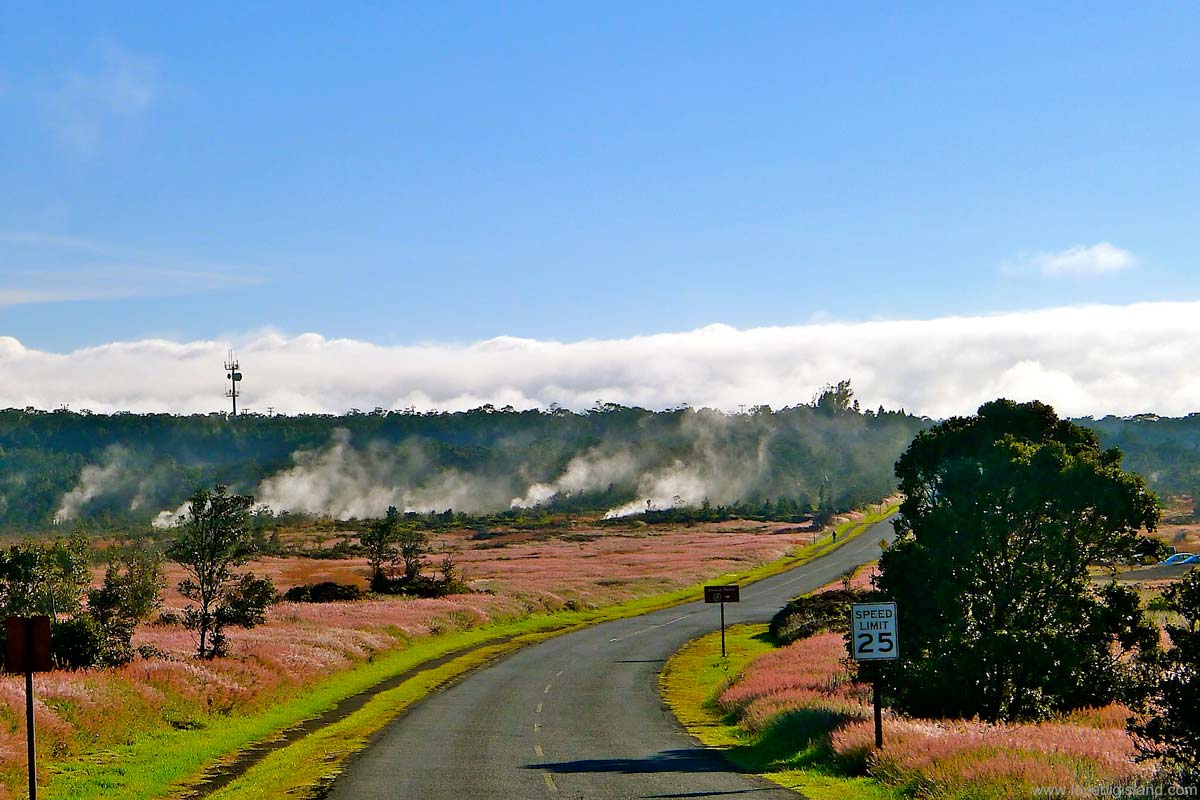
x=210, y=544
x=77, y=642
x=414, y=584
x=1169, y=727
x=44, y=578
x=412, y=546
x=246, y=602
x=379, y=538
x=837, y=399
x=131, y=592
x=51, y=578
x=810, y=614
x=1003, y=514
x=324, y=592
x=1164, y=449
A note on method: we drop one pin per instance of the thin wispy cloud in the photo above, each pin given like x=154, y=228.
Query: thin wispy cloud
x=115, y=283
x=87, y=105
x=17, y=297
x=48, y=268
x=1083, y=360
x=49, y=240
x=1102, y=258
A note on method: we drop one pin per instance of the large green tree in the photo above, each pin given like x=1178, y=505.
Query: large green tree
x=1004, y=512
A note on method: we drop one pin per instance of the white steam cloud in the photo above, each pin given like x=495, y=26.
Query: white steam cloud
x=1082, y=360
x=119, y=478
x=94, y=481
x=714, y=471
x=343, y=482
x=590, y=471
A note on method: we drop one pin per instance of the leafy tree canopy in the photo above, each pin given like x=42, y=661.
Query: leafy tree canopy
x=1004, y=512
x=210, y=544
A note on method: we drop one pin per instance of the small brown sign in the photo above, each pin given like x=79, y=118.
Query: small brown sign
x=721, y=594
x=28, y=644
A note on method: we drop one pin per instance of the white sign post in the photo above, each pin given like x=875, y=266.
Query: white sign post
x=874, y=637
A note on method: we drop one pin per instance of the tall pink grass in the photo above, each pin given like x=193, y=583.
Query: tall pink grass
x=957, y=755
x=932, y=757
x=808, y=674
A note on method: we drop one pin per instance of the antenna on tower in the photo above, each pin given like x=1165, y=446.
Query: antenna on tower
x=234, y=377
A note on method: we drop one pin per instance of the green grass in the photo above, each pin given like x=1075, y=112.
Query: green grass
x=792, y=754
x=172, y=763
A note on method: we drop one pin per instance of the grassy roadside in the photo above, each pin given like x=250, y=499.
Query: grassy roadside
x=690, y=683
x=173, y=763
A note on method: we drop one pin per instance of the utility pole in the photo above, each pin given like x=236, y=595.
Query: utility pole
x=234, y=377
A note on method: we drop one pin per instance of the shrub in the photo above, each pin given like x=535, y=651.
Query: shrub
x=77, y=642
x=812, y=614
x=419, y=586
x=168, y=618
x=324, y=592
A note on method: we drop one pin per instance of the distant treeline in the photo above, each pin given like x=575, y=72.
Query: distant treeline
x=1165, y=450
x=121, y=470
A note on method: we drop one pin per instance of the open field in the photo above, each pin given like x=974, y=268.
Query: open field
x=91, y=722
x=1179, y=526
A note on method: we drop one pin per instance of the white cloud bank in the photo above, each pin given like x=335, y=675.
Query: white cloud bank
x=1080, y=261
x=1083, y=360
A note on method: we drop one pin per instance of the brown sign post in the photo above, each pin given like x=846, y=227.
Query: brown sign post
x=28, y=651
x=722, y=593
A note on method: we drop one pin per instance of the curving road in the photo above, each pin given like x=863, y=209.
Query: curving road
x=579, y=715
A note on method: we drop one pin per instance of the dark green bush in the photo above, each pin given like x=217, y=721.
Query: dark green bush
x=76, y=643
x=418, y=586
x=814, y=613
x=324, y=592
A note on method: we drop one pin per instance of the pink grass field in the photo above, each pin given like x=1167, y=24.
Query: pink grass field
x=931, y=758
x=89, y=711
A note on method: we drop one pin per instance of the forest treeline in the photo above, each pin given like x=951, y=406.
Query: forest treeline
x=116, y=471
x=121, y=470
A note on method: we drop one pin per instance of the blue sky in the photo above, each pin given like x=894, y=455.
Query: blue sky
x=452, y=173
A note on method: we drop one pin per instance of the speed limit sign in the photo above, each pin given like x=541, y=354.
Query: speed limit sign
x=873, y=632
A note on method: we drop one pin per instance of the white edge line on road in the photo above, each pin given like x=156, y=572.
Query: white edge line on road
x=651, y=628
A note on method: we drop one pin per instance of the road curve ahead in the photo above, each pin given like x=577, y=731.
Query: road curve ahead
x=579, y=715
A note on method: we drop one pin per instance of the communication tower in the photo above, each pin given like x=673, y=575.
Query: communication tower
x=234, y=377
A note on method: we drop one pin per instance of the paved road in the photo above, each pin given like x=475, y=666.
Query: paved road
x=1154, y=572
x=579, y=715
